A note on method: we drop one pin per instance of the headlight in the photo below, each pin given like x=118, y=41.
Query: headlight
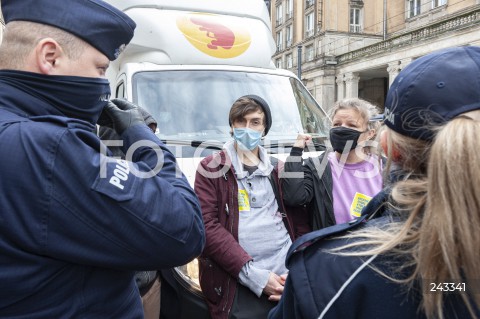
x=188, y=276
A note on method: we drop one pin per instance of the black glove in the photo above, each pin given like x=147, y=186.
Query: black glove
x=119, y=115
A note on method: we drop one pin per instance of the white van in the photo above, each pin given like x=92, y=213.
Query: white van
x=187, y=63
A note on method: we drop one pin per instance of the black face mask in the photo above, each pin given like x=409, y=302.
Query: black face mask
x=72, y=96
x=339, y=136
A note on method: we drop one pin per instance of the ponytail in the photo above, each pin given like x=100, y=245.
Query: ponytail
x=449, y=235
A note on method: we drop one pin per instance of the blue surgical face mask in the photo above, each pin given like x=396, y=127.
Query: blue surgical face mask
x=246, y=138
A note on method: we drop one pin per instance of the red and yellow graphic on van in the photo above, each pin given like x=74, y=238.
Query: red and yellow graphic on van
x=214, y=35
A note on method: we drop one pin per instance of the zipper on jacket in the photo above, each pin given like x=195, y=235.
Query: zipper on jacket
x=231, y=232
x=323, y=181
x=226, y=297
x=232, y=218
x=232, y=196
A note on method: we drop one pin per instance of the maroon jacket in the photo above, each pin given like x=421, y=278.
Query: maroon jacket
x=223, y=257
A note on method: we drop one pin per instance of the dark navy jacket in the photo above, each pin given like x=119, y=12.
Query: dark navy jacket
x=324, y=285
x=70, y=239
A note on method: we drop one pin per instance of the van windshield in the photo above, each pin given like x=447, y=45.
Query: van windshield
x=193, y=105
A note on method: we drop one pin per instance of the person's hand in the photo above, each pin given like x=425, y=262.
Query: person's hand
x=302, y=140
x=274, y=287
x=120, y=114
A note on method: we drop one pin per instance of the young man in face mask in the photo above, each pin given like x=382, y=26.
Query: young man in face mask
x=248, y=229
x=74, y=223
x=339, y=183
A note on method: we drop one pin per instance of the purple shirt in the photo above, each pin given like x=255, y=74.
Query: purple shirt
x=353, y=186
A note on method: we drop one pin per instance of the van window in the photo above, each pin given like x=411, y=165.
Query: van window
x=193, y=105
x=120, y=92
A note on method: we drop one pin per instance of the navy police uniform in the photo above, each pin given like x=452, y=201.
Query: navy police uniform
x=325, y=285
x=75, y=224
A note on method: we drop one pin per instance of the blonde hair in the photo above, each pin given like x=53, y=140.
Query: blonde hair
x=364, y=108
x=20, y=38
x=439, y=207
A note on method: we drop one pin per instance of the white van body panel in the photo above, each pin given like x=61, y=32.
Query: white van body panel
x=199, y=32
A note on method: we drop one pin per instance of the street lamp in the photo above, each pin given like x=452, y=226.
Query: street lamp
x=299, y=61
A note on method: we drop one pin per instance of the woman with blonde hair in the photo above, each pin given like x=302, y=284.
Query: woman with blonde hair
x=336, y=185
x=415, y=251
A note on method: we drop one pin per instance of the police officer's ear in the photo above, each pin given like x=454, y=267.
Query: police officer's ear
x=388, y=147
x=46, y=57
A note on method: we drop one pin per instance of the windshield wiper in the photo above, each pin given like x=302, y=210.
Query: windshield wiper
x=211, y=145
x=217, y=145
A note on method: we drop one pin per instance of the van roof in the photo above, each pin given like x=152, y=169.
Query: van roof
x=227, y=32
x=243, y=8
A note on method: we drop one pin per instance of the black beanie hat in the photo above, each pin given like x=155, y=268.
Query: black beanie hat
x=266, y=109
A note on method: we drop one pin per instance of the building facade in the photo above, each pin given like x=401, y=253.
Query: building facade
x=355, y=48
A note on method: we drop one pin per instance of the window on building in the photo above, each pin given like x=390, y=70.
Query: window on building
x=438, y=3
x=278, y=63
x=355, y=20
x=309, y=53
x=279, y=14
x=279, y=40
x=413, y=7
x=289, y=61
x=309, y=25
x=309, y=3
x=289, y=9
x=289, y=35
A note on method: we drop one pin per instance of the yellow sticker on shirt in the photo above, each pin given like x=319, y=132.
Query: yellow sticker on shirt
x=243, y=202
x=359, y=201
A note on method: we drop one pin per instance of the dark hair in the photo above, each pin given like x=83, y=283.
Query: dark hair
x=243, y=106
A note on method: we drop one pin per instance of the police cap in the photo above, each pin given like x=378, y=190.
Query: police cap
x=98, y=23
x=432, y=90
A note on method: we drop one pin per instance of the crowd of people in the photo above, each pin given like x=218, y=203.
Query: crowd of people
x=384, y=224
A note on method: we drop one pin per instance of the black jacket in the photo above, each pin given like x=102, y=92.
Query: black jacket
x=314, y=189
x=323, y=285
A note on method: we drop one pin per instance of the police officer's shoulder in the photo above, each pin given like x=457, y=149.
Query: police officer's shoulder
x=62, y=121
x=311, y=240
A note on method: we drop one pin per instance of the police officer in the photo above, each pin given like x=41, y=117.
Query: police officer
x=74, y=224
x=148, y=282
